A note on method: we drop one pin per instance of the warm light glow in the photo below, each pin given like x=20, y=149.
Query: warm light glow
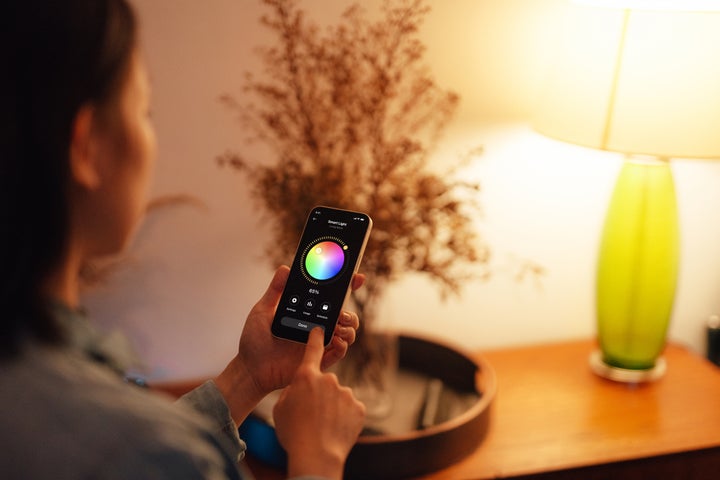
x=645, y=82
x=666, y=5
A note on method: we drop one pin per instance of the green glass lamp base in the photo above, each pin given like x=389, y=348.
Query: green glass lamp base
x=637, y=269
x=626, y=375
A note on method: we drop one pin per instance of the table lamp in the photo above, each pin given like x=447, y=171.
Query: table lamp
x=641, y=78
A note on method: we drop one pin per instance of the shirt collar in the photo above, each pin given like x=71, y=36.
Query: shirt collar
x=112, y=349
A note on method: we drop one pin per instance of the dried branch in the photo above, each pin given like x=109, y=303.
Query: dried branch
x=352, y=115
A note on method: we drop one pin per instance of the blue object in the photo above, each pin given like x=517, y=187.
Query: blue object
x=262, y=442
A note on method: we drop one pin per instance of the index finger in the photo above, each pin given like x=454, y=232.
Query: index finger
x=315, y=348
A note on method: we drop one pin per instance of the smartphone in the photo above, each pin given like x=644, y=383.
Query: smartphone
x=327, y=257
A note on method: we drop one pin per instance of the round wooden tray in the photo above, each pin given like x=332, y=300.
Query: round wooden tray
x=463, y=389
x=439, y=445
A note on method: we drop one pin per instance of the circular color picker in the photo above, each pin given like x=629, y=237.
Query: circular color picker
x=324, y=260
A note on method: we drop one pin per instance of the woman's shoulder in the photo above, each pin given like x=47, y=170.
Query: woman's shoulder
x=63, y=415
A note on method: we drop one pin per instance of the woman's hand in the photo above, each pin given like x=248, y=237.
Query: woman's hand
x=265, y=363
x=316, y=419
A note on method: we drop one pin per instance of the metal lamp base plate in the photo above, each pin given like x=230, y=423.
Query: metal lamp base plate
x=626, y=375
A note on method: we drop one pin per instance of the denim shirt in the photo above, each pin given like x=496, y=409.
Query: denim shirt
x=67, y=412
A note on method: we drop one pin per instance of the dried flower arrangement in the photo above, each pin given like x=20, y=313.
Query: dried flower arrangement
x=352, y=114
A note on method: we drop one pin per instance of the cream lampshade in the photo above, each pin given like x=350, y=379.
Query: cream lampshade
x=636, y=81
x=641, y=78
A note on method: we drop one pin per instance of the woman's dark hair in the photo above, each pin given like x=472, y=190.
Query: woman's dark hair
x=55, y=57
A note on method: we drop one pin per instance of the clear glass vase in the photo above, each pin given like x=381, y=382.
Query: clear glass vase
x=370, y=369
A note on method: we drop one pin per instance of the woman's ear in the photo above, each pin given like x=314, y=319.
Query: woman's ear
x=84, y=161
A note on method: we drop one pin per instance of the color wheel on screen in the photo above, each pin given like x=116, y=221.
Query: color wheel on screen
x=324, y=259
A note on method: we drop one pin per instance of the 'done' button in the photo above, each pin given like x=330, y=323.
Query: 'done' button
x=299, y=324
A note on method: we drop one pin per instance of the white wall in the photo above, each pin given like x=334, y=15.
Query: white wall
x=194, y=272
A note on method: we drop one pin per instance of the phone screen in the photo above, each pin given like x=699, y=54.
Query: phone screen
x=327, y=257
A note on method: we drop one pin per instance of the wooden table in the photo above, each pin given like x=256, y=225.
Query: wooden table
x=553, y=418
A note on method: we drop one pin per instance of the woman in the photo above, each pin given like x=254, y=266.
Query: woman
x=76, y=158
